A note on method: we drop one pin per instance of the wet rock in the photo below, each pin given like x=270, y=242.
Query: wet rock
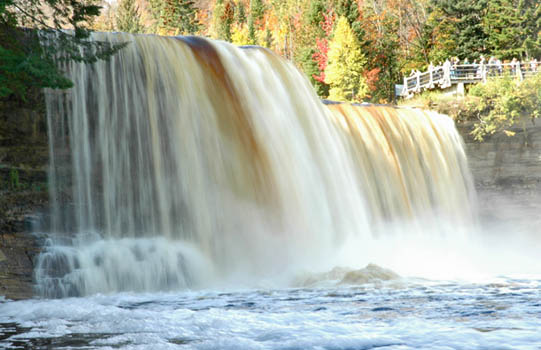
x=507, y=173
x=23, y=192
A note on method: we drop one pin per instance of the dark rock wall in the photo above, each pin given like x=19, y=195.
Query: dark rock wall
x=507, y=173
x=23, y=192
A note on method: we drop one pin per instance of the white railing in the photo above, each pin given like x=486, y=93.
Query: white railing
x=447, y=75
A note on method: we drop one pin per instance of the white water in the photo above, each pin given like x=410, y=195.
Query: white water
x=195, y=163
x=397, y=314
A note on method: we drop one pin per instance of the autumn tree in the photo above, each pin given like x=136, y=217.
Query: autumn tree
x=344, y=71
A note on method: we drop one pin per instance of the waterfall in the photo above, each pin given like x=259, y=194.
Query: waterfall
x=183, y=161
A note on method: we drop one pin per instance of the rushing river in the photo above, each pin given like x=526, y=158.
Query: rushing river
x=504, y=313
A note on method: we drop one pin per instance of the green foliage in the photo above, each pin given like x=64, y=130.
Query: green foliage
x=310, y=68
x=240, y=14
x=223, y=18
x=315, y=17
x=512, y=27
x=178, y=17
x=257, y=10
x=495, y=106
x=29, y=59
x=458, y=25
x=350, y=10
x=25, y=65
x=498, y=104
x=14, y=179
x=344, y=72
x=128, y=18
x=174, y=17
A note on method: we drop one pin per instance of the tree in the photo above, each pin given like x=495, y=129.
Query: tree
x=127, y=18
x=381, y=22
x=179, y=17
x=531, y=10
x=174, y=17
x=320, y=54
x=512, y=28
x=344, y=72
x=350, y=10
x=223, y=17
x=28, y=59
x=460, y=23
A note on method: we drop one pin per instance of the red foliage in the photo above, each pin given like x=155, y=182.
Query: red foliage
x=328, y=22
x=320, y=56
x=372, y=77
x=322, y=46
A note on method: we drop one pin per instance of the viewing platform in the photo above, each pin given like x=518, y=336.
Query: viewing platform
x=448, y=75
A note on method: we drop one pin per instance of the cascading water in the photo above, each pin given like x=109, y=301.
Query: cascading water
x=190, y=162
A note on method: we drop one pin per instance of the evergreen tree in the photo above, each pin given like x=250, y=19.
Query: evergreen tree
x=316, y=16
x=240, y=14
x=127, y=18
x=344, y=72
x=383, y=51
x=512, y=27
x=178, y=17
x=310, y=67
x=350, y=10
x=29, y=62
x=251, y=31
x=460, y=24
x=531, y=10
x=257, y=10
x=222, y=19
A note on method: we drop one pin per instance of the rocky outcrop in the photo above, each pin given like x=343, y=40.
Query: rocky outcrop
x=507, y=172
x=23, y=193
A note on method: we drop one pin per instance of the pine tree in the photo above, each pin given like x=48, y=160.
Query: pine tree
x=257, y=10
x=179, y=17
x=310, y=67
x=344, y=72
x=531, y=10
x=350, y=10
x=512, y=27
x=28, y=61
x=315, y=16
x=240, y=14
x=222, y=19
x=127, y=18
x=460, y=22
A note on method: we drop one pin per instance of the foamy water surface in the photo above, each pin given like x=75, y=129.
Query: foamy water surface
x=504, y=313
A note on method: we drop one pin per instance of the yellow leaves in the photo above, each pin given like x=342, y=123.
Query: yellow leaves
x=240, y=35
x=509, y=133
x=345, y=65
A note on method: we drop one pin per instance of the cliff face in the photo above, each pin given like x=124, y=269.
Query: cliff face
x=23, y=193
x=507, y=173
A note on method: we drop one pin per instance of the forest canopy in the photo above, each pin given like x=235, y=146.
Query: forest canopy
x=392, y=36
x=386, y=38
x=31, y=44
